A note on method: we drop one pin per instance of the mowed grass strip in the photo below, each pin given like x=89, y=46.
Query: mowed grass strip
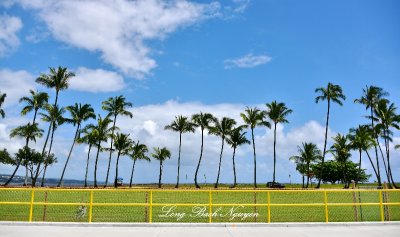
x=122, y=205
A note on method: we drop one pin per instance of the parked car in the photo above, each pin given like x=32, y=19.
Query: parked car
x=275, y=185
x=120, y=181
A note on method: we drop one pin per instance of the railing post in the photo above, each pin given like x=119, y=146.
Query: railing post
x=151, y=207
x=91, y=206
x=381, y=205
x=326, y=207
x=209, y=206
x=31, y=205
x=269, y=206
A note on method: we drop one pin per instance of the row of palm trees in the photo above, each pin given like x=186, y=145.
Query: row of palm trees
x=382, y=116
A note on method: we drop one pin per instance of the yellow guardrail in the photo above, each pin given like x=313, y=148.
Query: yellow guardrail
x=382, y=202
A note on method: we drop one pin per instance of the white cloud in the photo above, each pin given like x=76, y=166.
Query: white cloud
x=241, y=5
x=119, y=29
x=247, y=61
x=15, y=84
x=97, y=80
x=9, y=27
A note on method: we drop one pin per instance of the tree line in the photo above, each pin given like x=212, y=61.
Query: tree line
x=373, y=138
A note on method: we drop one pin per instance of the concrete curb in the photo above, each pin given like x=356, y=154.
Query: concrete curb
x=224, y=225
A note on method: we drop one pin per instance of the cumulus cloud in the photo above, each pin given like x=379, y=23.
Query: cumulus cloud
x=9, y=27
x=247, y=61
x=119, y=29
x=15, y=84
x=97, y=80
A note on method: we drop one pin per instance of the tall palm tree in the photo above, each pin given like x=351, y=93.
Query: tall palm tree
x=30, y=132
x=36, y=101
x=182, y=125
x=57, y=79
x=79, y=114
x=371, y=96
x=253, y=117
x=2, y=98
x=102, y=131
x=115, y=106
x=54, y=116
x=161, y=155
x=138, y=152
x=123, y=144
x=202, y=120
x=332, y=93
x=89, y=137
x=236, y=138
x=361, y=139
x=308, y=154
x=277, y=113
x=341, y=152
x=387, y=118
x=222, y=129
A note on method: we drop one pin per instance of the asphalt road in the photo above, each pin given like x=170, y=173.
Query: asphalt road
x=229, y=230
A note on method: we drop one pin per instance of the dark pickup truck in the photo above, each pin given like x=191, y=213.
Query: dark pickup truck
x=275, y=185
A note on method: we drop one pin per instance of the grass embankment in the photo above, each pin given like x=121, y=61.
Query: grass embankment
x=199, y=198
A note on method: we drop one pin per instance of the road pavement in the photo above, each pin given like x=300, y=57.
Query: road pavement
x=13, y=229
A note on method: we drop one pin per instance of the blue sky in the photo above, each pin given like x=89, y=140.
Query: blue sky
x=180, y=57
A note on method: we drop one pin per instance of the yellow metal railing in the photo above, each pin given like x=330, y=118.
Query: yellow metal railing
x=387, y=209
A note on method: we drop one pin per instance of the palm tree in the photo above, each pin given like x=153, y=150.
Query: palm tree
x=2, y=98
x=387, y=118
x=30, y=132
x=57, y=79
x=202, y=120
x=371, y=96
x=341, y=152
x=182, y=125
x=115, y=106
x=101, y=132
x=222, y=129
x=54, y=116
x=277, y=113
x=161, y=155
x=332, y=93
x=79, y=114
x=123, y=144
x=89, y=137
x=308, y=154
x=361, y=139
x=138, y=152
x=253, y=117
x=37, y=101
x=235, y=138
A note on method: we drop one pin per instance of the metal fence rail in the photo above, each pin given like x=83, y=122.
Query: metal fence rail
x=174, y=205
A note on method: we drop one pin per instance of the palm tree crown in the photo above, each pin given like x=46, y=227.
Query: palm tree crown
x=307, y=154
x=161, y=155
x=36, y=101
x=2, y=98
x=30, y=132
x=79, y=113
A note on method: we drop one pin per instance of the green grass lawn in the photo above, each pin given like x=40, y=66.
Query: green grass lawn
x=198, y=205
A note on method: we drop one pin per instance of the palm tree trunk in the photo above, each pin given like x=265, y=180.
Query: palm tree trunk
x=359, y=168
x=344, y=174
x=95, y=165
x=116, y=170
x=69, y=155
x=219, y=166
x=87, y=165
x=384, y=163
x=303, y=182
x=179, y=160
x=254, y=155
x=159, y=177
x=273, y=176
x=234, y=167
x=198, y=164
x=308, y=174
x=372, y=164
x=388, y=159
x=48, y=154
x=133, y=169
x=326, y=138
x=111, y=150
x=378, y=174
x=43, y=151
